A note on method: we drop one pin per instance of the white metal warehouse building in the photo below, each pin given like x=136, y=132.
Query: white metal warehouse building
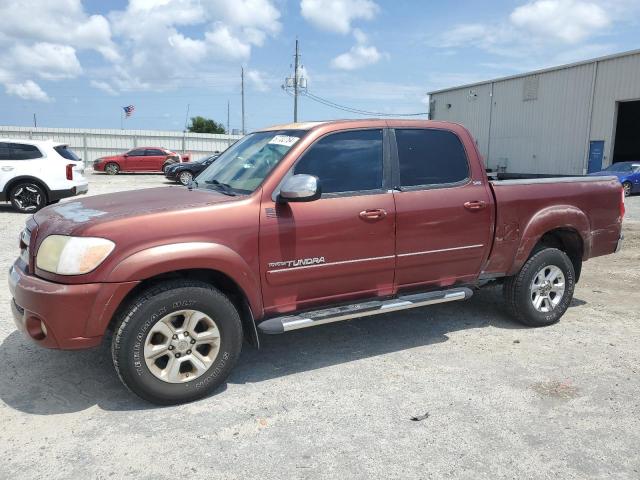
x=565, y=120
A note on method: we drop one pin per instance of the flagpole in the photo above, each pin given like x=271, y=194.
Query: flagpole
x=121, y=118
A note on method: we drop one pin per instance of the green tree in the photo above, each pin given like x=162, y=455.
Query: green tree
x=205, y=125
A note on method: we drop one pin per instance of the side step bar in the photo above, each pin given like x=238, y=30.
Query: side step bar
x=287, y=323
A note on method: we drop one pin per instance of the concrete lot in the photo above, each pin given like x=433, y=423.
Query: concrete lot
x=337, y=401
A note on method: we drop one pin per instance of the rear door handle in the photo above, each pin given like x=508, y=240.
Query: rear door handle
x=475, y=205
x=373, y=214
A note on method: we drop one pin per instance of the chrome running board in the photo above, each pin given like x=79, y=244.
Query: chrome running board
x=287, y=323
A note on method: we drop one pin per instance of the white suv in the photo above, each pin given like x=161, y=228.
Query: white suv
x=36, y=173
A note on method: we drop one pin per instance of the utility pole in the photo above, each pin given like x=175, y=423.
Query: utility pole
x=228, y=129
x=242, y=91
x=35, y=121
x=295, y=86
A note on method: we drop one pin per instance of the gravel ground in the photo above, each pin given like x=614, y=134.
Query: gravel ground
x=338, y=401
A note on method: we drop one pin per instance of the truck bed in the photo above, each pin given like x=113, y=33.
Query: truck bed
x=587, y=208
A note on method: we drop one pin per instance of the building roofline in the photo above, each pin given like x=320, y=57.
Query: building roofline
x=537, y=72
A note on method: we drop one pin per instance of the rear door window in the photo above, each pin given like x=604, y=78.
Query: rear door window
x=430, y=157
x=23, y=151
x=154, y=152
x=65, y=152
x=5, y=152
x=346, y=161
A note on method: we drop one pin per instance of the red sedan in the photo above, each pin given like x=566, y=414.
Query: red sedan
x=139, y=159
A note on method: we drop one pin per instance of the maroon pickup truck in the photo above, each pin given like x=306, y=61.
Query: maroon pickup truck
x=296, y=226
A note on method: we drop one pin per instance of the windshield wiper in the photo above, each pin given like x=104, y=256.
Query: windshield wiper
x=222, y=187
x=192, y=184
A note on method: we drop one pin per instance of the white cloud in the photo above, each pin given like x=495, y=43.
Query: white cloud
x=47, y=60
x=257, y=80
x=28, y=90
x=224, y=44
x=534, y=27
x=359, y=56
x=544, y=32
x=161, y=55
x=337, y=15
x=570, y=21
x=40, y=38
x=104, y=86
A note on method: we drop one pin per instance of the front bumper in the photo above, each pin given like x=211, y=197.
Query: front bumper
x=68, y=317
x=171, y=175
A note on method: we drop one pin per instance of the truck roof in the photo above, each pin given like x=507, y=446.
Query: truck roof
x=350, y=122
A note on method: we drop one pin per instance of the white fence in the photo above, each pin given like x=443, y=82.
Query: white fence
x=94, y=143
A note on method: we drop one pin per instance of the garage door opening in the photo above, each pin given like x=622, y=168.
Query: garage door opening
x=627, y=143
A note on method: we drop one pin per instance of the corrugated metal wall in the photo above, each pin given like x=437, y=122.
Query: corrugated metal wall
x=542, y=123
x=470, y=107
x=617, y=80
x=94, y=143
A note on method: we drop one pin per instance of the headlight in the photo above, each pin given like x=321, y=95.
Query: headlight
x=72, y=255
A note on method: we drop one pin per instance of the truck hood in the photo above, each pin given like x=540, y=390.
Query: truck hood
x=75, y=216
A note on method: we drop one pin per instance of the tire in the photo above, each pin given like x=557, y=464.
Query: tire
x=141, y=330
x=528, y=286
x=27, y=197
x=627, y=188
x=185, y=177
x=112, y=168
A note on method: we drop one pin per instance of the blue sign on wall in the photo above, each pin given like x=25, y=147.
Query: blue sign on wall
x=596, y=153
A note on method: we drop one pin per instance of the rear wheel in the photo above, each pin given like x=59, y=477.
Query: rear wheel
x=177, y=342
x=185, y=177
x=627, y=188
x=541, y=292
x=28, y=197
x=112, y=168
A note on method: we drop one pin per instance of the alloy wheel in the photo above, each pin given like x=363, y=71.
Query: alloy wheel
x=185, y=178
x=27, y=198
x=182, y=346
x=547, y=288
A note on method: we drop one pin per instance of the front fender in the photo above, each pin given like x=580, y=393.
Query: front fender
x=172, y=257
x=551, y=218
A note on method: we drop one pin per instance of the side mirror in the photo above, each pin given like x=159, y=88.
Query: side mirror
x=300, y=188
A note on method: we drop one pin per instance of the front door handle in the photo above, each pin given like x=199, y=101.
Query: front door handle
x=373, y=214
x=475, y=205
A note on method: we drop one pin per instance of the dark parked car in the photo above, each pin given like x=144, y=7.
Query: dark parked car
x=185, y=172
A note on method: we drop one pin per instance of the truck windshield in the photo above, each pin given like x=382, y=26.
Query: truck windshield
x=242, y=167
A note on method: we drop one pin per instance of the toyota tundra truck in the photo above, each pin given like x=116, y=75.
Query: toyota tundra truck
x=296, y=226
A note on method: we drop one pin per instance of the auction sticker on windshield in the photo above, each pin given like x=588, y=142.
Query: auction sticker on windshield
x=285, y=140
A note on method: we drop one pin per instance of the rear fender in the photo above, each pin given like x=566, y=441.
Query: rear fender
x=551, y=218
x=169, y=258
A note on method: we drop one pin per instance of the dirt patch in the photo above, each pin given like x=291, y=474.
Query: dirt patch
x=556, y=389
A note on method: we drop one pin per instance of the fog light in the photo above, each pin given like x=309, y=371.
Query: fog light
x=36, y=328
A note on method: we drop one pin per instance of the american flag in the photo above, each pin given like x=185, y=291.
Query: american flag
x=128, y=110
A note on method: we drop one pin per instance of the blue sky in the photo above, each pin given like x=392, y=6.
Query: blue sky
x=76, y=63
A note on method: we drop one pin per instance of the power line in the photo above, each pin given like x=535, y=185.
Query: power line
x=359, y=111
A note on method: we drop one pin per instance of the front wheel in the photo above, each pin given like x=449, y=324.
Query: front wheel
x=626, y=186
x=112, y=168
x=541, y=292
x=27, y=197
x=177, y=342
x=185, y=177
